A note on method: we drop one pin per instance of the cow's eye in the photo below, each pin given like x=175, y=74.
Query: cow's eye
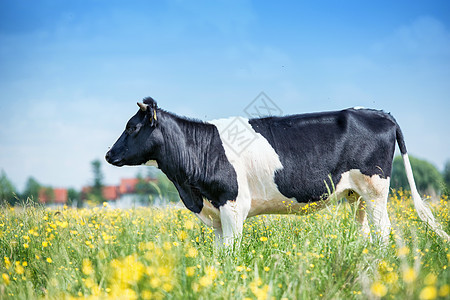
x=133, y=129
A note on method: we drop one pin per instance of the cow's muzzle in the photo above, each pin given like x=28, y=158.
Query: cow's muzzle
x=113, y=160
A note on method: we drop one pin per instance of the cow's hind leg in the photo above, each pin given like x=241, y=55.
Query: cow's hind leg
x=374, y=193
x=361, y=217
x=371, y=194
x=360, y=214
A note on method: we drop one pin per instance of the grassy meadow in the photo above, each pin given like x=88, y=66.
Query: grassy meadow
x=151, y=253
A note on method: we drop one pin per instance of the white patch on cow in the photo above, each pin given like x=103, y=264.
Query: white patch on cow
x=374, y=192
x=255, y=167
x=372, y=186
x=359, y=107
x=151, y=163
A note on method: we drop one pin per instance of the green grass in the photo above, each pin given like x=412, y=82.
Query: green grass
x=169, y=254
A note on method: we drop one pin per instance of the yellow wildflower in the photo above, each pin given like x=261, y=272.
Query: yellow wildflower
x=211, y=272
x=192, y=252
x=428, y=293
x=7, y=262
x=430, y=279
x=146, y=295
x=403, y=251
x=188, y=225
x=167, y=287
x=20, y=270
x=444, y=290
x=190, y=271
x=182, y=235
x=409, y=275
x=86, y=267
x=167, y=246
x=205, y=281
x=391, y=277
x=378, y=289
x=260, y=293
x=63, y=224
x=129, y=294
x=155, y=282
x=5, y=278
x=240, y=268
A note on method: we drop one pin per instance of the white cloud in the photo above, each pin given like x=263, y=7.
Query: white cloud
x=424, y=37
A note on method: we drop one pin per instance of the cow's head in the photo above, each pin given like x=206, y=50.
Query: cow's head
x=141, y=139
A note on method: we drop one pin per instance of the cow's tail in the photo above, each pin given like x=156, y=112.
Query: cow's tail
x=422, y=209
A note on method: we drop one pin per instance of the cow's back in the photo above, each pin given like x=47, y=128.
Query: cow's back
x=311, y=147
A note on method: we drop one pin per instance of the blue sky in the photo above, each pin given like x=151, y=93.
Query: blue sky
x=72, y=71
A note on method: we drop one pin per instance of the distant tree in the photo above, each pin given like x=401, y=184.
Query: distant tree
x=168, y=190
x=7, y=190
x=96, y=192
x=146, y=189
x=158, y=186
x=31, y=190
x=73, y=196
x=446, y=177
x=153, y=172
x=426, y=176
x=98, y=175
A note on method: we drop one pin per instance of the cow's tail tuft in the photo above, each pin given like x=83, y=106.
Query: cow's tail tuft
x=421, y=207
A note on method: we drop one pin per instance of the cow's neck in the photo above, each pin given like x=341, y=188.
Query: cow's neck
x=186, y=143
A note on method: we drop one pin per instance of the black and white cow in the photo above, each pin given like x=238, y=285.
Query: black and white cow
x=291, y=161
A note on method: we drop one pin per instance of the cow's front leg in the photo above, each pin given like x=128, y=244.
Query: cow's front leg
x=232, y=217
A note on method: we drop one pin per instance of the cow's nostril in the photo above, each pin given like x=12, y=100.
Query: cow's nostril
x=108, y=155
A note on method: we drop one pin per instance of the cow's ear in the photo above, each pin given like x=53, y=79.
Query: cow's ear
x=153, y=117
x=152, y=113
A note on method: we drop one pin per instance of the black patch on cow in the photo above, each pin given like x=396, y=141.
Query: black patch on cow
x=312, y=147
x=194, y=159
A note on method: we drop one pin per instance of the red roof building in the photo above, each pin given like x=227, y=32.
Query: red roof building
x=110, y=193
x=113, y=192
x=49, y=195
x=128, y=186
